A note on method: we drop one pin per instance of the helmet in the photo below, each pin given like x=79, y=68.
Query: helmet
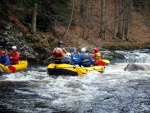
x=14, y=47
x=3, y=52
x=96, y=50
x=83, y=49
x=73, y=49
x=68, y=54
x=60, y=43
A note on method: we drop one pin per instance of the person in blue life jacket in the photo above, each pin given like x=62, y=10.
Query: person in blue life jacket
x=74, y=56
x=4, y=59
x=84, y=59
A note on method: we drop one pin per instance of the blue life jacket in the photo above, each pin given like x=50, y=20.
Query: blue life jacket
x=5, y=60
x=85, y=59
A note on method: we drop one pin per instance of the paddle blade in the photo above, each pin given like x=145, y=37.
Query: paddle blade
x=100, y=63
x=106, y=61
x=12, y=69
x=79, y=72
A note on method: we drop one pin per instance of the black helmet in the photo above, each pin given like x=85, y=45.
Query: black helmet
x=60, y=43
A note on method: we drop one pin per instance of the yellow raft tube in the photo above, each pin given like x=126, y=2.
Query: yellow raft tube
x=74, y=70
x=13, y=68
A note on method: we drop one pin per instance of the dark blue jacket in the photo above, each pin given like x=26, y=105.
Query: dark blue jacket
x=74, y=58
x=5, y=60
x=85, y=59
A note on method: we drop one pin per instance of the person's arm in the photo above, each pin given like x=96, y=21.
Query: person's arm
x=7, y=62
x=93, y=55
x=72, y=55
x=63, y=53
x=17, y=56
x=64, y=50
x=79, y=59
x=91, y=59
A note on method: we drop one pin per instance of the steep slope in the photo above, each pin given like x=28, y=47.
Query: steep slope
x=139, y=33
x=139, y=30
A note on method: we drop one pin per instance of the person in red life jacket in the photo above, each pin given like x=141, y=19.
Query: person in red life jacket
x=97, y=57
x=14, y=56
x=4, y=59
x=59, y=54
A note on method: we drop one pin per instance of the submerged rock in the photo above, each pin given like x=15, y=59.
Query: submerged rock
x=133, y=67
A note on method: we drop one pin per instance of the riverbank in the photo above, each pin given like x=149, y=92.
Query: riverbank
x=47, y=40
x=114, y=45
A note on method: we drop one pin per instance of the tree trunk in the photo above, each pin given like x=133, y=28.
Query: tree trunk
x=102, y=30
x=119, y=34
x=115, y=20
x=72, y=12
x=34, y=16
x=85, y=18
x=81, y=8
x=128, y=12
x=146, y=6
x=123, y=21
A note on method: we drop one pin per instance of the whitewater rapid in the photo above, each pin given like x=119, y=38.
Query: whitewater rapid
x=113, y=91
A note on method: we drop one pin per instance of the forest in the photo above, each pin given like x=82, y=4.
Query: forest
x=77, y=22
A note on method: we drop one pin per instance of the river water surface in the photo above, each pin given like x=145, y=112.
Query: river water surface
x=114, y=91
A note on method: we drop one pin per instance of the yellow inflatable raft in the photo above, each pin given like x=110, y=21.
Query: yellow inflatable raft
x=13, y=68
x=74, y=70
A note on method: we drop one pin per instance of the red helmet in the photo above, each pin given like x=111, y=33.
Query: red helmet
x=96, y=50
x=3, y=52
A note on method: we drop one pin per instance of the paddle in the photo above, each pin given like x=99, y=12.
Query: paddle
x=79, y=72
x=100, y=63
x=12, y=68
x=106, y=61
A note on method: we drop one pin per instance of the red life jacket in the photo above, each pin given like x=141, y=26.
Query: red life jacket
x=98, y=56
x=56, y=53
x=15, y=57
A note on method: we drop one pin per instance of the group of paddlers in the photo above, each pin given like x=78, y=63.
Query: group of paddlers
x=11, y=58
x=75, y=57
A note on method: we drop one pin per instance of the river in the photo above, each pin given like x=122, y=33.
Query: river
x=114, y=91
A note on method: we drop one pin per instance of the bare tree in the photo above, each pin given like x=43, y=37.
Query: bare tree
x=102, y=26
x=85, y=18
x=119, y=34
x=115, y=20
x=34, y=16
x=123, y=19
x=146, y=5
x=72, y=12
x=81, y=8
x=128, y=15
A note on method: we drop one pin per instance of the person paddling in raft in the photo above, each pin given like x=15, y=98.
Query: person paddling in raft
x=74, y=55
x=97, y=57
x=4, y=59
x=14, y=56
x=59, y=54
x=84, y=59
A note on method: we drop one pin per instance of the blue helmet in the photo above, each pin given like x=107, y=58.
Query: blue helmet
x=73, y=49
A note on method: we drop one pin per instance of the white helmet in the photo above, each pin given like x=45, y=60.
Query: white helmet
x=68, y=54
x=83, y=50
x=14, y=47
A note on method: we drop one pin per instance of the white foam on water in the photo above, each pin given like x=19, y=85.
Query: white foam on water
x=69, y=91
